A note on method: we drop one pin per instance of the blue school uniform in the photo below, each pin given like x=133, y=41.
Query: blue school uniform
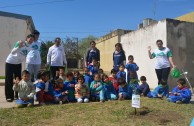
x=126, y=91
x=185, y=95
x=58, y=93
x=97, y=92
x=71, y=90
x=88, y=79
x=144, y=88
x=118, y=59
x=131, y=68
x=110, y=92
x=121, y=74
x=93, y=69
x=42, y=85
x=163, y=91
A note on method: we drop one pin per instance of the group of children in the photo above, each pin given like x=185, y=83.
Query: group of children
x=93, y=85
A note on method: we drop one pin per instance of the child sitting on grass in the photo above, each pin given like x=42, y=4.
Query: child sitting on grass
x=25, y=89
x=60, y=96
x=69, y=86
x=44, y=89
x=96, y=88
x=180, y=94
x=93, y=67
x=144, y=87
x=125, y=91
x=113, y=79
x=81, y=90
x=87, y=78
x=160, y=91
x=62, y=73
x=110, y=93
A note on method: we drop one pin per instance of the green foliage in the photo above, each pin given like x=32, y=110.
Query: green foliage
x=44, y=51
x=84, y=44
x=2, y=77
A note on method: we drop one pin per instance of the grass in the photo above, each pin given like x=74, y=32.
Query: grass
x=153, y=112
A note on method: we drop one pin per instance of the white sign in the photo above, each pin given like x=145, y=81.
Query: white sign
x=136, y=101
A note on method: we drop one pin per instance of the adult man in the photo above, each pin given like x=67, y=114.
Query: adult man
x=56, y=57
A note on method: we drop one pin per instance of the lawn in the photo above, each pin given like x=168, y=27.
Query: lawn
x=153, y=112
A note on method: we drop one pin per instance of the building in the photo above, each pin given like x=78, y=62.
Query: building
x=106, y=45
x=187, y=17
x=13, y=27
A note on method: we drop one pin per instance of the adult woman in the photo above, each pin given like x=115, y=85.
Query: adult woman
x=13, y=65
x=92, y=53
x=163, y=57
x=119, y=57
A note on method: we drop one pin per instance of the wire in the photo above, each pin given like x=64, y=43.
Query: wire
x=19, y=5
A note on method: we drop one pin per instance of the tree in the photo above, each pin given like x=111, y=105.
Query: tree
x=44, y=50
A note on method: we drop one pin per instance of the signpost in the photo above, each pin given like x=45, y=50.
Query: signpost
x=135, y=102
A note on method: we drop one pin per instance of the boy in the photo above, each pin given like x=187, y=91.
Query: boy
x=69, y=86
x=93, y=67
x=87, y=78
x=121, y=73
x=113, y=79
x=144, y=87
x=125, y=91
x=180, y=94
x=25, y=89
x=160, y=91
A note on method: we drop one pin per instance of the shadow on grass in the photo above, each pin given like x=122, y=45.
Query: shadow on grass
x=192, y=102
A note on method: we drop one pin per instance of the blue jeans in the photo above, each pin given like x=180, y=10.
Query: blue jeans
x=33, y=69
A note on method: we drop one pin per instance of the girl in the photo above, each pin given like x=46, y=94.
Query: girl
x=81, y=90
x=96, y=88
x=131, y=66
x=113, y=79
x=125, y=91
x=110, y=93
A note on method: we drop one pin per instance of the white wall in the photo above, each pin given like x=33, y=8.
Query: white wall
x=135, y=43
x=11, y=30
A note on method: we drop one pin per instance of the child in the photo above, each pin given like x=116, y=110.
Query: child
x=160, y=91
x=131, y=66
x=87, y=78
x=25, y=89
x=96, y=88
x=60, y=96
x=134, y=82
x=69, y=86
x=93, y=67
x=121, y=73
x=62, y=74
x=144, y=87
x=101, y=73
x=110, y=93
x=75, y=74
x=125, y=91
x=180, y=94
x=44, y=89
x=81, y=90
x=113, y=79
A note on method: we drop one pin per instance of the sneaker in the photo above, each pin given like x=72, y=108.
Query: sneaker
x=60, y=102
x=179, y=102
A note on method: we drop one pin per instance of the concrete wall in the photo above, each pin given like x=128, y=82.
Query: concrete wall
x=187, y=17
x=12, y=30
x=135, y=43
x=180, y=37
x=106, y=45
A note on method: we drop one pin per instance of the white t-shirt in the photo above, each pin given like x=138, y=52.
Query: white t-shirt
x=17, y=54
x=33, y=56
x=162, y=58
x=56, y=56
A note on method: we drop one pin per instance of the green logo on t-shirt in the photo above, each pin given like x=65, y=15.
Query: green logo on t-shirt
x=161, y=54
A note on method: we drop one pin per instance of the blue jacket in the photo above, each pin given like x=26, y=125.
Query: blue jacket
x=108, y=87
x=71, y=90
x=121, y=74
x=160, y=90
x=58, y=93
x=93, y=54
x=93, y=69
x=184, y=93
x=118, y=59
x=131, y=68
x=88, y=79
x=126, y=89
x=144, y=88
x=42, y=87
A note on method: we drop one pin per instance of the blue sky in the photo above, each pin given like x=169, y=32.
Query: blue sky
x=80, y=18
